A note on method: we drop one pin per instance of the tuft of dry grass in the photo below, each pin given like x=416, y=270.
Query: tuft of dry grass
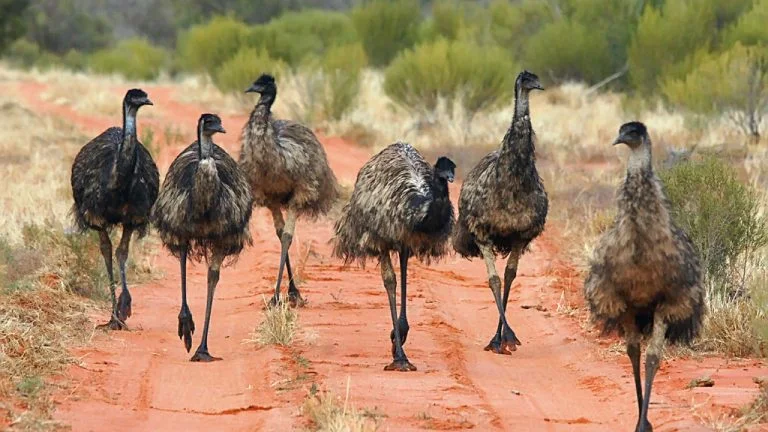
x=329, y=413
x=279, y=327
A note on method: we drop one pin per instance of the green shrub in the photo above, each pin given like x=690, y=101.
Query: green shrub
x=512, y=24
x=342, y=69
x=133, y=58
x=23, y=53
x=723, y=218
x=666, y=41
x=236, y=74
x=750, y=29
x=741, y=89
x=386, y=27
x=296, y=35
x=205, y=47
x=569, y=50
x=75, y=60
x=480, y=76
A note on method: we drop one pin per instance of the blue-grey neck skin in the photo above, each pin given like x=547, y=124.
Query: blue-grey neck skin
x=129, y=126
x=521, y=102
x=205, y=142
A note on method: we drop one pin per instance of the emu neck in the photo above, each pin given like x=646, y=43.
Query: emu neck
x=518, y=152
x=640, y=159
x=129, y=129
x=204, y=144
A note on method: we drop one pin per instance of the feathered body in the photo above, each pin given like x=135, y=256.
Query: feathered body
x=204, y=205
x=114, y=181
x=285, y=163
x=502, y=201
x=644, y=262
x=398, y=202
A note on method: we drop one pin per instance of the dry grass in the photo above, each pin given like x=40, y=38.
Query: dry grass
x=279, y=327
x=746, y=420
x=329, y=413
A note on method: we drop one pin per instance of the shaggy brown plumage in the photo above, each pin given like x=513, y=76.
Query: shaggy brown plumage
x=287, y=169
x=115, y=182
x=203, y=212
x=503, y=207
x=400, y=203
x=645, y=277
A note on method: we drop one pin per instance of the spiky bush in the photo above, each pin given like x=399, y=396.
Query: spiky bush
x=234, y=75
x=386, y=27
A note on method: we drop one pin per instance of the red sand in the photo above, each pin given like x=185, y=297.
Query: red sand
x=560, y=379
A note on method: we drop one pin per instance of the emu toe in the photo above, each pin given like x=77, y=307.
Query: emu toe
x=203, y=356
x=400, y=365
x=644, y=427
x=294, y=297
x=403, y=326
x=504, y=344
x=113, y=324
x=186, y=327
x=124, y=305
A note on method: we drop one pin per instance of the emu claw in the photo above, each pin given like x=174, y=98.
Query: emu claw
x=400, y=365
x=295, y=299
x=186, y=327
x=402, y=325
x=504, y=344
x=114, y=323
x=124, y=305
x=203, y=356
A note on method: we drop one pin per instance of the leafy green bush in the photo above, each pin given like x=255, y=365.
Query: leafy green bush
x=133, y=58
x=741, y=89
x=512, y=24
x=723, y=218
x=342, y=69
x=386, y=27
x=569, y=50
x=296, y=35
x=750, y=29
x=666, y=41
x=236, y=74
x=23, y=53
x=480, y=76
x=205, y=47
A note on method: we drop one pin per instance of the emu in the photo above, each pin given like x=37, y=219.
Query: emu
x=115, y=181
x=503, y=207
x=287, y=168
x=400, y=203
x=645, y=277
x=202, y=213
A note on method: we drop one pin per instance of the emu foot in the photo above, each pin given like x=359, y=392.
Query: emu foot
x=402, y=325
x=400, y=365
x=504, y=344
x=202, y=355
x=644, y=427
x=186, y=327
x=114, y=324
x=295, y=299
x=124, y=305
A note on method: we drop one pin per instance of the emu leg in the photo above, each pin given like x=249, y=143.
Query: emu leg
x=633, y=352
x=186, y=325
x=285, y=243
x=124, y=301
x=402, y=321
x=508, y=341
x=399, y=360
x=294, y=297
x=652, y=359
x=202, y=354
x=105, y=244
x=510, y=272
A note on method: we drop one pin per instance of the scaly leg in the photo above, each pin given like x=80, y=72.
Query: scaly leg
x=186, y=325
x=294, y=297
x=509, y=341
x=510, y=272
x=402, y=321
x=105, y=244
x=124, y=301
x=285, y=243
x=400, y=361
x=202, y=354
x=652, y=360
x=632, y=337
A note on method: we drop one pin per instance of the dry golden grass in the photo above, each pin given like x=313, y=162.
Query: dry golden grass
x=279, y=327
x=329, y=413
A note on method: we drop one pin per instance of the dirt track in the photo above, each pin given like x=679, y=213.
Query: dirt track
x=560, y=379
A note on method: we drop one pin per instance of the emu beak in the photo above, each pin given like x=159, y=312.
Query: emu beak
x=252, y=89
x=619, y=140
x=220, y=129
x=450, y=178
x=538, y=86
x=147, y=102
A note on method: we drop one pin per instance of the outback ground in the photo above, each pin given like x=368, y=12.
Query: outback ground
x=562, y=378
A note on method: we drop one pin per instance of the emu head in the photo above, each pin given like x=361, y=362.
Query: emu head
x=136, y=98
x=210, y=124
x=264, y=85
x=528, y=81
x=444, y=169
x=633, y=134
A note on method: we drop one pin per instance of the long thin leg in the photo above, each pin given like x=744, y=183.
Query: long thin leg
x=402, y=321
x=186, y=325
x=294, y=296
x=510, y=272
x=202, y=354
x=285, y=244
x=400, y=361
x=105, y=244
x=632, y=337
x=124, y=301
x=509, y=341
x=652, y=360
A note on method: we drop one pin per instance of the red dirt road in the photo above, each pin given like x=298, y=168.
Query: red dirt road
x=560, y=379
